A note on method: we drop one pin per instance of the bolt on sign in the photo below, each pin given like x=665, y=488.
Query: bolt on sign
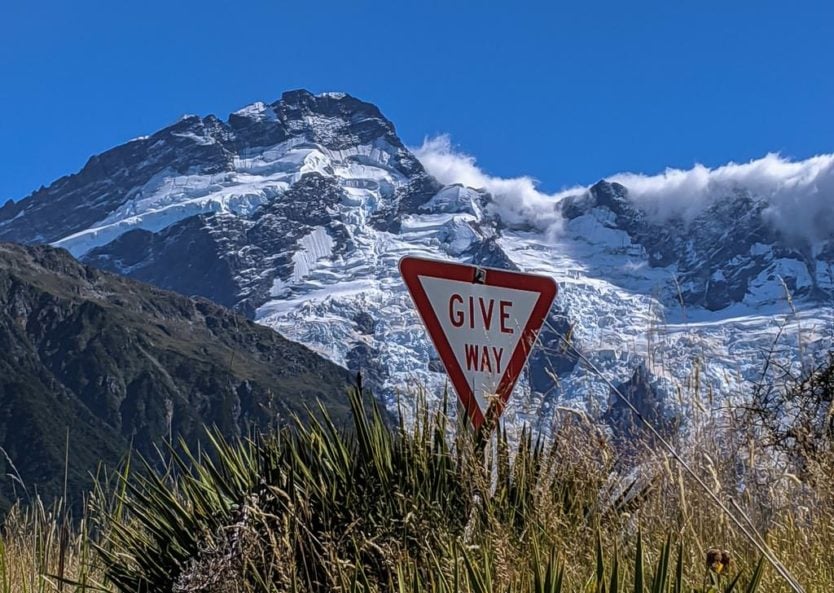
x=483, y=323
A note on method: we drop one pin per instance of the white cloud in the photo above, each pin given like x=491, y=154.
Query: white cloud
x=800, y=194
x=517, y=201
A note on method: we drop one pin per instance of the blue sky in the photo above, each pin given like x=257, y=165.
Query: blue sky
x=565, y=92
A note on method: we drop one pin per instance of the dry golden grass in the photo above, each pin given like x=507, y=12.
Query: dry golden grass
x=316, y=509
x=43, y=550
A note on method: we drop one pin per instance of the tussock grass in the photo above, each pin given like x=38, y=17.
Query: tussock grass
x=368, y=507
x=43, y=550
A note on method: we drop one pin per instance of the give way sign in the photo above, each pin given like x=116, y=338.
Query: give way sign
x=483, y=323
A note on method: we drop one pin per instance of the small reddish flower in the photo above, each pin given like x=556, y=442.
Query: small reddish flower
x=718, y=561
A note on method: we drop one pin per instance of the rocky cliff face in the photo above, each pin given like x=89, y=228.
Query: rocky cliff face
x=110, y=362
x=722, y=257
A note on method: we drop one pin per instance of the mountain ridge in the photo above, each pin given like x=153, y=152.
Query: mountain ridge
x=111, y=363
x=296, y=212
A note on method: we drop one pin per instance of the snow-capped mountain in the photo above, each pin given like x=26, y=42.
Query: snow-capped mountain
x=297, y=212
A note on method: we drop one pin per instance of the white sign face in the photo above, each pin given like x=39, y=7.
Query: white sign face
x=482, y=326
x=483, y=323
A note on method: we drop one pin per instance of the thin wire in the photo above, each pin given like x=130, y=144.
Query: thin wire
x=761, y=546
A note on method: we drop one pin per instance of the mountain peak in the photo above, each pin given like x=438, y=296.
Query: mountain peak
x=188, y=160
x=324, y=102
x=334, y=119
x=300, y=103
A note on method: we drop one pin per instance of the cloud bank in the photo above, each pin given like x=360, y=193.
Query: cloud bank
x=799, y=194
x=517, y=201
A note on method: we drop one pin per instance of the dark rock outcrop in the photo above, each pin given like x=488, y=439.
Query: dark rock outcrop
x=628, y=430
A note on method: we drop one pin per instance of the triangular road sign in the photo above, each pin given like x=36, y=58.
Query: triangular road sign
x=483, y=323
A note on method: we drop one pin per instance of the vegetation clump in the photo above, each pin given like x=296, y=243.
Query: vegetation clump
x=369, y=507
x=372, y=507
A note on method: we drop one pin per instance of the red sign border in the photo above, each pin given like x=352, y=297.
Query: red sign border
x=413, y=267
